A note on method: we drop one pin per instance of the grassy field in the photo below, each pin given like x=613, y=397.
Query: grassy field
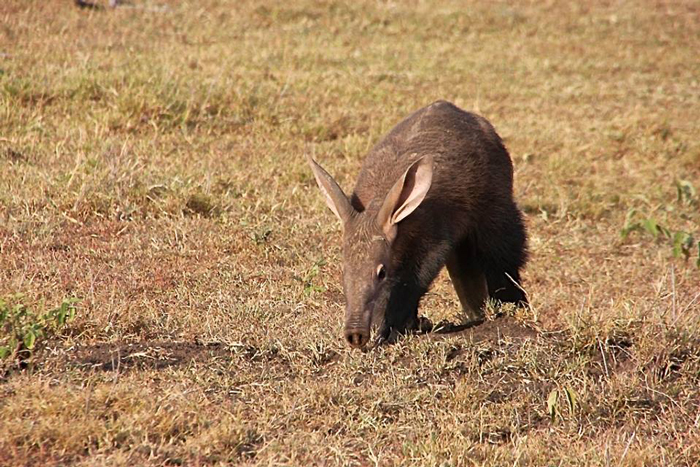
x=152, y=166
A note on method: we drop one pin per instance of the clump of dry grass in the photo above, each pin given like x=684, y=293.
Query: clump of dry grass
x=152, y=164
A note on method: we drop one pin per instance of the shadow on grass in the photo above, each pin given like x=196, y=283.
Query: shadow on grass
x=503, y=326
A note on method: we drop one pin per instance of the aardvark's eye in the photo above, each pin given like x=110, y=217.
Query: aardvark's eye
x=381, y=272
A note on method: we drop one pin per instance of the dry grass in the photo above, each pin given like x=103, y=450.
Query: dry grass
x=152, y=164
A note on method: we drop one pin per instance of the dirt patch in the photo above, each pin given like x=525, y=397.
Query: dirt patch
x=146, y=356
x=488, y=331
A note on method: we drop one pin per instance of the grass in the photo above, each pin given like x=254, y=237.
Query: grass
x=152, y=165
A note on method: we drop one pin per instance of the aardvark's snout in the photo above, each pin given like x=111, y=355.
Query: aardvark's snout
x=358, y=324
x=357, y=337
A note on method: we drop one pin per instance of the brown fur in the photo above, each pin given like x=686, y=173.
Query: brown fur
x=467, y=220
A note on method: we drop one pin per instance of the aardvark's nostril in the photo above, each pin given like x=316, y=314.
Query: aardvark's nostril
x=357, y=339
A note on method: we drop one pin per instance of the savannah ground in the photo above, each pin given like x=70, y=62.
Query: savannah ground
x=152, y=165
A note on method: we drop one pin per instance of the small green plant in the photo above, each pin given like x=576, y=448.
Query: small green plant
x=311, y=273
x=22, y=329
x=553, y=408
x=647, y=224
x=683, y=243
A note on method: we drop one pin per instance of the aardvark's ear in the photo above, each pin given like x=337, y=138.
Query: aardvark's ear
x=335, y=198
x=406, y=195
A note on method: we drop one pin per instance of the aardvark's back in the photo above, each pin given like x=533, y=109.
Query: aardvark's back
x=472, y=169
